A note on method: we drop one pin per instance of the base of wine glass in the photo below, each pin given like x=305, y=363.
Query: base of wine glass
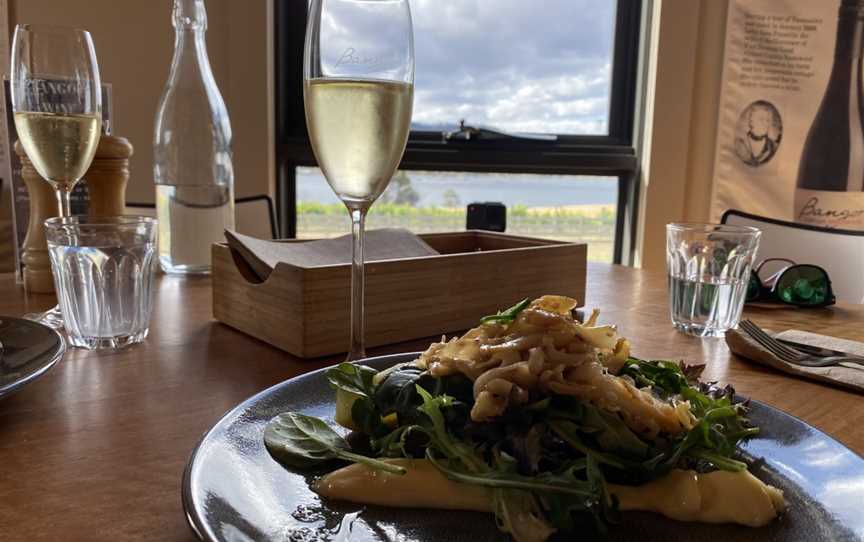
x=52, y=318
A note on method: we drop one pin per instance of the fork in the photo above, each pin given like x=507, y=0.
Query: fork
x=790, y=355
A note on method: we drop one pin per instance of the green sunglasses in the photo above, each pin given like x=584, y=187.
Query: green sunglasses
x=802, y=285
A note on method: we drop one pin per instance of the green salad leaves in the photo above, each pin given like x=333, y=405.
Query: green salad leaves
x=507, y=316
x=304, y=441
x=548, y=461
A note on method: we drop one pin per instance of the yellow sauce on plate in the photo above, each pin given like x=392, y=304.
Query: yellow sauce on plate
x=715, y=497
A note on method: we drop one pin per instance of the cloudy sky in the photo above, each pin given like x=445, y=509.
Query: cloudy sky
x=517, y=65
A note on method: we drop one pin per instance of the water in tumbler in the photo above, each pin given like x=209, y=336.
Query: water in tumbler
x=191, y=218
x=105, y=292
x=707, y=307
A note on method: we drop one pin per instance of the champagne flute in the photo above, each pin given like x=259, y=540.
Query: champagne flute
x=358, y=89
x=57, y=105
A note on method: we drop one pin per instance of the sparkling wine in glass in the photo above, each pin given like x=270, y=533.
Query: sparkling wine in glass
x=358, y=90
x=57, y=105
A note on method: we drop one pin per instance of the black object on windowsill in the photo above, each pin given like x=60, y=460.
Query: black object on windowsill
x=483, y=133
x=490, y=216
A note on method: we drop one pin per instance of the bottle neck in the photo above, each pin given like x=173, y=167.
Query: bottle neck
x=850, y=31
x=190, y=26
x=187, y=40
x=189, y=15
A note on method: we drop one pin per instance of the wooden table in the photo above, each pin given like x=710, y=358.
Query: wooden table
x=95, y=450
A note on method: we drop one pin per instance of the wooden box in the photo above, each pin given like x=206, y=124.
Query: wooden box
x=305, y=310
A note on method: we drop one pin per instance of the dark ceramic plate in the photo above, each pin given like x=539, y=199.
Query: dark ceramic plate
x=28, y=350
x=234, y=491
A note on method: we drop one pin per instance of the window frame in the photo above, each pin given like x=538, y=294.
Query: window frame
x=612, y=155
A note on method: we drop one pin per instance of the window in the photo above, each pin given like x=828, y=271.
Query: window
x=555, y=85
x=541, y=70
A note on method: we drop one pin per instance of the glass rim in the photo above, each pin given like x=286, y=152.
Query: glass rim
x=58, y=222
x=55, y=28
x=709, y=227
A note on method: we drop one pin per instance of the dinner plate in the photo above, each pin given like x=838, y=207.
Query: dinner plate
x=234, y=491
x=27, y=350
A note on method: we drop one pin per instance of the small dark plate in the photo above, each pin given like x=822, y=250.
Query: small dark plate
x=28, y=350
x=233, y=490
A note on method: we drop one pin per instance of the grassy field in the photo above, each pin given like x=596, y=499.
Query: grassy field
x=592, y=224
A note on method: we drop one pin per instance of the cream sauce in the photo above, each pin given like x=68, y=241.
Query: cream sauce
x=422, y=486
x=715, y=497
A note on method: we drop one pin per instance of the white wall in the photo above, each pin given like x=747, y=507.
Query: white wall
x=681, y=120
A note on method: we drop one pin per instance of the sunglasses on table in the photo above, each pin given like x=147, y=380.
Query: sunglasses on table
x=801, y=285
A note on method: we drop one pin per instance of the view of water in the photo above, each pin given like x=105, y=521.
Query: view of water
x=509, y=189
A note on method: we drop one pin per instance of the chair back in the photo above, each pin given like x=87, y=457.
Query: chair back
x=839, y=252
x=255, y=216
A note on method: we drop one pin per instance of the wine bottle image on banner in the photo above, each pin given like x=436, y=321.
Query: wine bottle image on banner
x=830, y=190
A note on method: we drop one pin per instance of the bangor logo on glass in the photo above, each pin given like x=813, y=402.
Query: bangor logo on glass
x=351, y=57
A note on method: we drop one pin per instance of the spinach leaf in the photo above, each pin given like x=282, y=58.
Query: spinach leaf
x=507, y=316
x=303, y=441
x=397, y=391
x=353, y=378
x=367, y=418
x=359, y=380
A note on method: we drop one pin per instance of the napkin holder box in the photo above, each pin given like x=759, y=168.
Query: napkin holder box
x=305, y=310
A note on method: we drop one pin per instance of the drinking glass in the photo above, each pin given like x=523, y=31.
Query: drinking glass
x=103, y=271
x=57, y=105
x=358, y=89
x=708, y=269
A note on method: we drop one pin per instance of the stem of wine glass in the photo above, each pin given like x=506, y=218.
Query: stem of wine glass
x=65, y=207
x=358, y=283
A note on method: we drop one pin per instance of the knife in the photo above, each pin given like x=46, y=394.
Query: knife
x=817, y=350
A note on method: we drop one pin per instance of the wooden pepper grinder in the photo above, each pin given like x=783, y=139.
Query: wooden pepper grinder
x=43, y=205
x=108, y=175
x=106, y=183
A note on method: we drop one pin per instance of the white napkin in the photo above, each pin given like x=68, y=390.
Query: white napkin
x=839, y=375
x=384, y=244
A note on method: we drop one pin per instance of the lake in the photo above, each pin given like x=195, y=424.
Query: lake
x=507, y=188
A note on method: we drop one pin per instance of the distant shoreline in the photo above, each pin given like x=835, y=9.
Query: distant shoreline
x=435, y=189
x=586, y=210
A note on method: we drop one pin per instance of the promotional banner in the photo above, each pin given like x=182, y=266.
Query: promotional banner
x=790, y=141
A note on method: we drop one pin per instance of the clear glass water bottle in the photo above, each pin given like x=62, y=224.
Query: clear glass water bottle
x=192, y=151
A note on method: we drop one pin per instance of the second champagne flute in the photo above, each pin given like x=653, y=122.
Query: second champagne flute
x=57, y=101
x=358, y=91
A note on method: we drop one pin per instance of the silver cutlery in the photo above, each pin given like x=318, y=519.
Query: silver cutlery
x=816, y=350
x=796, y=357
